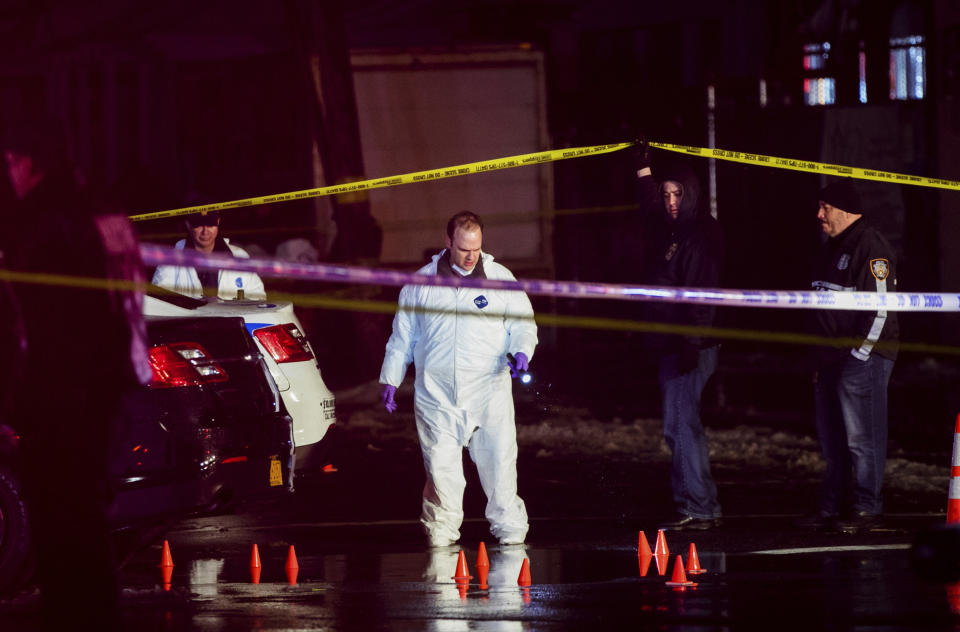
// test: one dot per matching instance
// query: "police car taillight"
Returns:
(285, 343)
(183, 364)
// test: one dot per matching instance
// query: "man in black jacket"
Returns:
(851, 380)
(683, 248)
(82, 349)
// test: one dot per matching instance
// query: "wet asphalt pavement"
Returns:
(363, 563)
(586, 572)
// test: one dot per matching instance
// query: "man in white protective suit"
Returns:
(458, 339)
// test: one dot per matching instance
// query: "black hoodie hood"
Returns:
(684, 175)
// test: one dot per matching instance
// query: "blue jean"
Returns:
(694, 492)
(851, 413)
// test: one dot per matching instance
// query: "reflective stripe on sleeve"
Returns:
(863, 353)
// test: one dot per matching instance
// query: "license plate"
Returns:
(276, 472)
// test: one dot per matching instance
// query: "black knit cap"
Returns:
(842, 195)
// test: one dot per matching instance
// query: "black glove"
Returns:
(688, 359)
(641, 153)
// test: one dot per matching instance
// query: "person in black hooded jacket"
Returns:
(683, 248)
(82, 348)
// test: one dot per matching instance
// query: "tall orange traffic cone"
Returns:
(524, 579)
(462, 574)
(255, 566)
(292, 566)
(643, 548)
(166, 566)
(661, 546)
(679, 577)
(693, 561)
(953, 495)
(483, 566)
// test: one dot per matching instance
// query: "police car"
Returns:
(274, 326)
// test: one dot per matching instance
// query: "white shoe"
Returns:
(438, 542)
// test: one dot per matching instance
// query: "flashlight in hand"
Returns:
(523, 375)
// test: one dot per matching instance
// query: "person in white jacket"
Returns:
(203, 232)
(458, 339)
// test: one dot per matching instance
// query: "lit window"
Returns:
(907, 67)
(815, 56)
(817, 89)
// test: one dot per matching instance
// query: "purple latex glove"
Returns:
(387, 397)
(521, 364)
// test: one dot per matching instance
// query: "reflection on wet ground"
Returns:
(870, 587)
(761, 572)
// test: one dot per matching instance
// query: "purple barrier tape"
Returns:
(154, 255)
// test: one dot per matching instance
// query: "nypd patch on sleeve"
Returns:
(880, 268)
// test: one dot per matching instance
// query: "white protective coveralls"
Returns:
(458, 339)
(185, 280)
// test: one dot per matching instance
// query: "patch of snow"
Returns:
(572, 431)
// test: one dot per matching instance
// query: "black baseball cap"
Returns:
(210, 218)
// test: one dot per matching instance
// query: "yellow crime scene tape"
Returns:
(554, 155)
(821, 168)
(484, 166)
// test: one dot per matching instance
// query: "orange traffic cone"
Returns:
(661, 546)
(166, 577)
(482, 559)
(524, 579)
(644, 561)
(165, 558)
(292, 567)
(643, 548)
(693, 561)
(166, 566)
(483, 566)
(255, 566)
(679, 577)
(953, 493)
(462, 574)
(662, 562)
